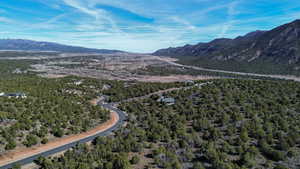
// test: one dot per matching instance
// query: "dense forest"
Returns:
(52, 108)
(7, 67)
(230, 124)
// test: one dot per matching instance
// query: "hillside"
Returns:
(29, 45)
(274, 51)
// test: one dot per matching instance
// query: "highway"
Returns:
(283, 77)
(122, 116)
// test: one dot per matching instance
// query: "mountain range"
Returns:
(30, 45)
(273, 51)
(276, 51)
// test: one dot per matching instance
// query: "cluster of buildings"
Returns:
(19, 71)
(13, 95)
(171, 101)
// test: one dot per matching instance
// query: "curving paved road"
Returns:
(122, 116)
(110, 106)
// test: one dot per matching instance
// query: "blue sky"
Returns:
(140, 25)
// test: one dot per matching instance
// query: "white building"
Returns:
(77, 83)
(16, 95)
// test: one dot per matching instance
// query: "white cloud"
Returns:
(5, 20)
(187, 24)
(51, 23)
(85, 23)
(231, 11)
(99, 29)
(101, 16)
(96, 27)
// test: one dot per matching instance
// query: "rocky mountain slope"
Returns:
(277, 46)
(29, 45)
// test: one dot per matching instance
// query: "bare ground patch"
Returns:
(173, 78)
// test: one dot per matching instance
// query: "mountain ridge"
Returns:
(279, 45)
(31, 45)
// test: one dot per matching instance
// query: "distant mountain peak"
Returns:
(255, 33)
(296, 21)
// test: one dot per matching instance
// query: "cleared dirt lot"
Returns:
(112, 67)
(173, 78)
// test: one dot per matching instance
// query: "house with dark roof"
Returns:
(189, 82)
(166, 100)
